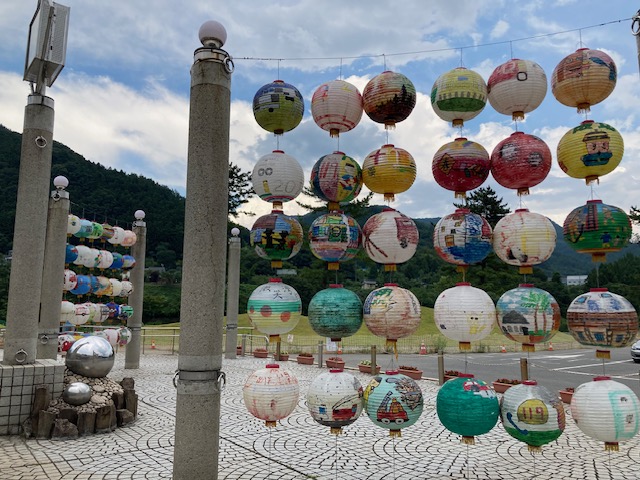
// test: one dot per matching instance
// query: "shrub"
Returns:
(305, 354)
(509, 381)
(336, 359)
(408, 367)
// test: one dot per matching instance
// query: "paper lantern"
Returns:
(597, 229)
(103, 313)
(73, 224)
(277, 237)
(65, 341)
(271, 394)
(584, 78)
(124, 336)
(335, 399)
(464, 313)
(278, 107)
(83, 285)
(603, 319)
(335, 312)
(93, 312)
(467, 406)
(336, 178)
(590, 150)
(130, 238)
(70, 254)
(105, 259)
(114, 310)
(389, 170)
(528, 315)
(128, 262)
(520, 161)
(92, 258)
(107, 231)
(606, 410)
(462, 238)
(126, 312)
(524, 239)
(336, 107)
(117, 237)
(84, 255)
(70, 280)
(112, 335)
(118, 261)
(116, 287)
(86, 227)
(393, 401)
(335, 237)
(81, 315)
(460, 166)
(532, 414)
(389, 98)
(96, 231)
(274, 308)
(67, 312)
(458, 95)
(390, 238)
(391, 312)
(126, 288)
(104, 286)
(517, 87)
(277, 178)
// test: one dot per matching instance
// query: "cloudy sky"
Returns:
(122, 98)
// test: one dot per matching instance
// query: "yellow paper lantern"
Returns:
(517, 87)
(336, 107)
(389, 170)
(459, 95)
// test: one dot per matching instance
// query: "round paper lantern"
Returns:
(391, 312)
(277, 178)
(335, 237)
(336, 178)
(460, 166)
(584, 78)
(124, 336)
(90, 356)
(278, 107)
(597, 229)
(523, 239)
(70, 280)
(86, 227)
(96, 231)
(81, 314)
(517, 87)
(467, 406)
(271, 394)
(335, 312)
(462, 238)
(606, 410)
(393, 401)
(277, 237)
(116, 287)
(84, 255)
(112, 335)
(126, 288)
(128, 262)
(71, 254)
(464, 313)
(335, 399)
(105, 259)
(532, 414)
(389, 170)
(93, 312)
(103, 313)
(603, 319)
(90, 259)
(65, 341)
(117, 237)
(107, 231)
(67, 312)
(520, 161)
(126, 312)
(73, 224)
(590, 150)
(118, 261)
(129, 238)
(83, 285)
(389, 98)
(336, 107)
(528, 315)
(114, 310)
(458, 95)
(390, 238)
(105, 287)
(274, 308)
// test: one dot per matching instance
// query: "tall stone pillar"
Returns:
(138, 251)
(233, 293)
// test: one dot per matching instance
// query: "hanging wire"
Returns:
(468, 473)
(393, 456)
(580, 34)
(340, 76)
(269, 455)
(461, 62)
(384, 59)
(336, 457)
(511, 48)
(278, 68)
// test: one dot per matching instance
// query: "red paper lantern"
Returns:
(460, 166)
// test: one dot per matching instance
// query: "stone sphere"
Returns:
(77, 393)
(91, 357)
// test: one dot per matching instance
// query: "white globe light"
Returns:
(60, 182)
(235, 231)
(139, 214)
(212, 34)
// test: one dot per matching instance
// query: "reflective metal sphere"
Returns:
(91, 357)
(77, 393)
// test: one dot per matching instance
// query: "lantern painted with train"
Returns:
(461, 166)
(336, 178)
(597, 229)
(335, 237)
(271, 394)
(584, 78)
(393, 401)
(390, 238)
(389, 98)
(462, 238)
(520, 161)
(458, 95)
(278, 107)
(464, 313)
(336, 107)
(524, 239)
(467, 406)
(389, 170)
(590, 150)
(277, 178)
(606, 410)
(335, 399)
(277, 237)
(391, 312)
(335, 312)
(517, 87)
(274, 308)
(532, 414)
(528, 315)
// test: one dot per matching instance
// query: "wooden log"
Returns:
(86, 423)
(45, 424)
(41, 399)
(124, 417)
(128, 383)
(103, 419)
(131, 402)
(63, 429)
(118, 400)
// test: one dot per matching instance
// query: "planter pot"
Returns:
(415, 374)
(367, 368)
(334, 364)
(260, 354)
(283, 358)
(238, 350)
(566, 396)
(501, 387)
(305, 360)
(449, 377)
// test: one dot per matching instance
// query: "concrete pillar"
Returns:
(138, 251)
(233, 293)
(199, 376)
(25, 281)
(53, 272)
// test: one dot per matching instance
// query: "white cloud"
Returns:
(499, 30)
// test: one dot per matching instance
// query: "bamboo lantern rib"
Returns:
(336, 107)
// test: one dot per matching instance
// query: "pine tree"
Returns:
(484, 201)
(240, 189)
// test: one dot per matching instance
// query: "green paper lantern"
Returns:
(335, 312)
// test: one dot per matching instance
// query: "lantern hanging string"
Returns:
(603, 367)
(468, 473)
(393, 456)
(336, 458)
(461, 62)
(534, 464)
(269, 455)
(511, 48)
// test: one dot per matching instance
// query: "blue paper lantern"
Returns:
(71, 254)
(83, 285)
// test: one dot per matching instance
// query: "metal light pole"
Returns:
(199, 377)
(138, 251)
(233, 293)
(635, 29)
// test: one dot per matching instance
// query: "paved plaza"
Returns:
(298, 447)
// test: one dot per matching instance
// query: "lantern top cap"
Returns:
(392, 372)
(599, 289)
(461, 139)
(275, 280)
(601, 378)
(593, 201)
(60, 182)
(335, 285)
(526, 285)
(465, 375)
(276, 211)
(338, 152)
(235, 231)
(390, 284)
(139, 214)
(278, 151)
(517, 133)
(212, 34)
(388, 209)
(388, 145)
(521, 210)
(530, 382)
(462, 210)
(463, 284)
(272, 365)
(586, 121)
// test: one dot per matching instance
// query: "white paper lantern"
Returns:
(390, 238)
(335, 399)
(126, 288)
(70, 280)
(130, 238)
(93, 312)
(271, 394)
(336, 107)
(118, 236)
(116, 287)
(277, 178)
(517, 87)
(91, 259)
(67, 312)
(103, 313)
(391, 312)
(81, 314)
(106, 259)
(73, 224)
(84, 255)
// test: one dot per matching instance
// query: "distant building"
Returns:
(368, 284)
(286, 271)
(573, 280)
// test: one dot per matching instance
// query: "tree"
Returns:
(240, 189)
(484, 201)
(355, 208)
(634, 216)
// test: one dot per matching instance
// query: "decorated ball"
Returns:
(278, 107)
(389, 170)
(336, 178)
(277, 237)
(274, 308)
(335, 312)
(277, 177)
(460, 166)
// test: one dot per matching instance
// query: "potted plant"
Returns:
(501, 385)
(284, 357)
(305, 358)
(239, 350)
(260, 352)
(449, 374)
(566, 394)
(365, 367)
(335, 362)
(411, 372)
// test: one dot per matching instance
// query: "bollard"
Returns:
(374, 362)
(278, 350)
(524, 369)
(440, 367)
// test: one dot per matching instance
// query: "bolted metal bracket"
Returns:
(204, 376)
